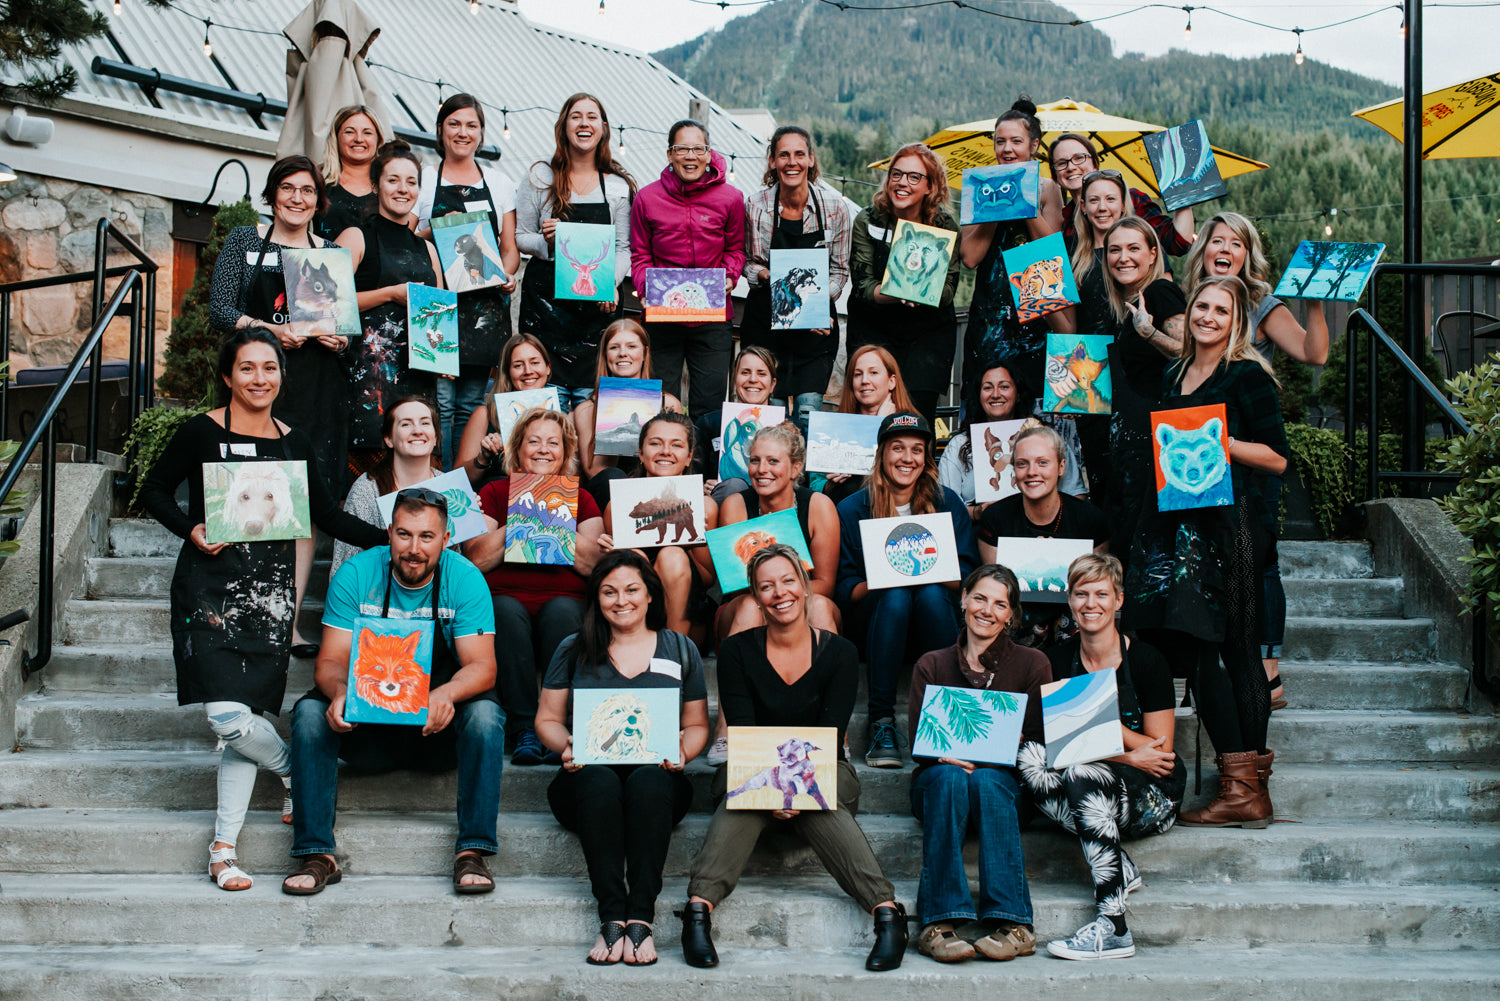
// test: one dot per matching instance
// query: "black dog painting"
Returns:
(799, 290)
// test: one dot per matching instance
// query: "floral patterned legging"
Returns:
(1103, 802)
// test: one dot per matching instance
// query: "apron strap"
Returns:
(437, 624)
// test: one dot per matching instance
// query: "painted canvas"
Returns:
(255, 501)
(970, 724)
(649, 511)
(390, 670)
(1041, 278)
(465, 519)
(799, 289)
(626, 726)
(510, 406)
(466, 249)
(1186, 171)
(1081, 719)
(320, 298)
(738, 423)
(994, 441)
(1077, 379)
(1000, 192)
(624, 407)
(909, 549)
(685, 295)
(1192, 458)
(541, 521)
(1329, 270)
(918, 264)
(783, 768)
(732, 546)
(432, 329)
(1041, 565)
(841, 443)
(584, 253)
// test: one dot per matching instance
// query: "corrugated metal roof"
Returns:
(499, 56)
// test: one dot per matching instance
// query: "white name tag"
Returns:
(883, 235)
(247, 449)
(718, 444)
(476, 206)
(671, 669)
(273, 259)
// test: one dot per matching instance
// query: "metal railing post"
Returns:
(48, 505)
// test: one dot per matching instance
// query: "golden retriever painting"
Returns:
(255, 501)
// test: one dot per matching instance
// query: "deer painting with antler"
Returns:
(583, 285)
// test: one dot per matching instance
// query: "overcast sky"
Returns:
(1459, 44)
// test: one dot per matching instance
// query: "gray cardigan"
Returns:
(532, 206)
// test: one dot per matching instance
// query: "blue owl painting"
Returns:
(1004, 191)
(1192, 458)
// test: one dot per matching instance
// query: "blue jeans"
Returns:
(457, 399)
(903, 619)
(570, 397)
(950, 803)
(799, 406)
(474, 743)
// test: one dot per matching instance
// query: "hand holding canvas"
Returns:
(333, 342)
(569, 765)
(967, 766)
(199, 536)
(335, 713)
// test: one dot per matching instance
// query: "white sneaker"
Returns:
(718, 754)
(1096, 940)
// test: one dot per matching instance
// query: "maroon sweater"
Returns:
(1017, 669)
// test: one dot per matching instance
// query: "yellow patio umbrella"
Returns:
(1118, 140)
(1456, 121)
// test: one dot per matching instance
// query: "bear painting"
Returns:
(1192, 458)
(918, 264)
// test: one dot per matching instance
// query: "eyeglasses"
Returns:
(1108, 175)
(688, 150)
(306, 190)
(1076, 160)
(423, 495)
(914, 176)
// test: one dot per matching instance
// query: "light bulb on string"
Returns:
(622, 140)
(601, 8)
(117, 8)
(505, 123)
(474, 7)
(208, 47)
(1328, 226)
(1187, 33)
(731, 168)
(1298, 58)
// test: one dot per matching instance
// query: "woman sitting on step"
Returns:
(788, 674)
(623, 814)
(1133, 795)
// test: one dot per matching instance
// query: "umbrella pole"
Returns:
(1411, 237)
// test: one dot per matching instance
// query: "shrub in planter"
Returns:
(1474, 505)
(149, 437)
(1322, 461)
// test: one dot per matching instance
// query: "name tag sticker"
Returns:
(243, 449)
(273, 259)
(876, 232)
(476, 206)
(670, 668)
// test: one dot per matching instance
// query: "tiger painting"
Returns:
(1041, 289)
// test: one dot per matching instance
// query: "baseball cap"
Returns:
(904, 422)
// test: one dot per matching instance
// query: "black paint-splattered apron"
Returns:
(995, 333)
(232, 613)
(483, 314)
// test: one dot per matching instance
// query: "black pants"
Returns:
(623, 815)
(523, 645)
(708, 350)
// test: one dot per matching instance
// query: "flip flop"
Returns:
(611, 932)
(638, 932)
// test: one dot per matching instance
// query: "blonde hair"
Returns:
(790, 438)
(1239, 348)
(332, 162)
(1158, 266)
(1047, 434)
(601, 366)
(926, 494)
(1256, 272)
(780, 551)
(765, 354)
(1083, 253)
(1092, 567)
(523, 424)
(847, 402)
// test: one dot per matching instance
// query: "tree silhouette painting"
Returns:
(1330, 265)
(1352, 259)
(975, 724)
(1310, 258)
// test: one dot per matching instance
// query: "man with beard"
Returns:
(413, 579)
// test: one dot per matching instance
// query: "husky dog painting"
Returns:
(320, 299)
(776, 768)
(918, 265)
(799, 290)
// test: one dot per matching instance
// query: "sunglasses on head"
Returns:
(424, 495)
(1109, 175)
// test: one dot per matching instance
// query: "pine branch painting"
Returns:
(432, 329)
(969, 724)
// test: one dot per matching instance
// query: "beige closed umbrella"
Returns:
(326, 71)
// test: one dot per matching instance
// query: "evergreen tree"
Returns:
(32, 36)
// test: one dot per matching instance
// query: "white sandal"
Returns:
(286, 804)
(230, 871)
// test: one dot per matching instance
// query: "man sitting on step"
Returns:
(381, 600)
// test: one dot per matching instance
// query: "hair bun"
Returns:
(394, 146)
(1024, 103)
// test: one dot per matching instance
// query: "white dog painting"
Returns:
(255, 501)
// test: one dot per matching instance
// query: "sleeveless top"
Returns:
(803, 497)
(1259, 341)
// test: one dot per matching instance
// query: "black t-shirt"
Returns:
(1143, 364)
(1079, 520)
(1144, 679)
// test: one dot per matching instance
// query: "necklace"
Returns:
(989, 676)
(1056, 522)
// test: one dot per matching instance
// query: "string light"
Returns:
(474, 7)
(622, 140)
(117, 9)
(731, 168)
(208, 47)
(1328, 226)
(505, 123)
(1298, 57)
(1187, 33)
(601, 8)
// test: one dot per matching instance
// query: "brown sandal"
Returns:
(469, 864)
(323, 870)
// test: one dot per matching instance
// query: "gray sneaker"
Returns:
(1130, 874)
(718, 753)
(885, 744)
(1096, 940)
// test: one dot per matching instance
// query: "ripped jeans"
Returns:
(250, 743)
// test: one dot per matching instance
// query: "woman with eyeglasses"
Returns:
(460, 184)
(387, 255)
(409, 433)
(525, 363)
(231, 603)
(690, 218)
(1231, 246)
(793, 212)
(921, 339)
(995, 333)
(248, 291)
(582, 183)
(353, 141)
(1073, 157)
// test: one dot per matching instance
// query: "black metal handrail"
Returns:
(138, 286)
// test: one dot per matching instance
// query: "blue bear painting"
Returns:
(1192, 462)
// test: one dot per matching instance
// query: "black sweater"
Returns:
(751, 693)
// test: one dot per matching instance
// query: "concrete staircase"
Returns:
(1378, 879)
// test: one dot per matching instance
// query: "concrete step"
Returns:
(154, 720)
(1326, 559)
(545, 973)
(72, 841)
(1353, 598)
(1371, 639)
(130, 537)
(146, 621)
(809, 912)
(110, 577)
(185, 780)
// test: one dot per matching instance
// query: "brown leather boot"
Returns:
(1263, 769)
(1242, 800)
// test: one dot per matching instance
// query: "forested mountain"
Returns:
(865, 81)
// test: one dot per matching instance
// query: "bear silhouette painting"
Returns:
(1192, 459)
